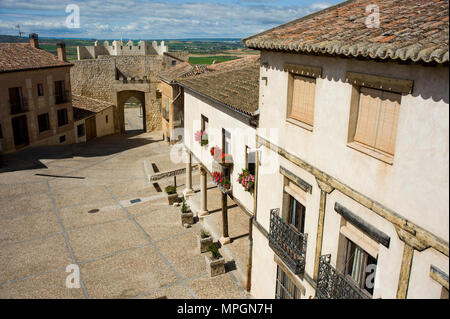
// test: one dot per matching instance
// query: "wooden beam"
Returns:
(405, 272)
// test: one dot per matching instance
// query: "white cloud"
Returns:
(138, 19)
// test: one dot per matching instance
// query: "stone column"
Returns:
(203, 193)
(225, 239)
(188, 191)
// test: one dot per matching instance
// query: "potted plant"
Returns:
(201, 137)
(215, 263)
(205, 240)
(221, 180)
(220, 157)
(187, 217)
(247, 180)
(172, 196)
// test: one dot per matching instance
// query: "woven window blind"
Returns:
(377, 119)
(303, 91)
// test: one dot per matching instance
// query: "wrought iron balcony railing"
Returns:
(20, 106)
(333, 285)
(63, 97)
(287, 243)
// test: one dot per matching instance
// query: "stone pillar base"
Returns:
(203, 213)
(224, 240)
(188, 192)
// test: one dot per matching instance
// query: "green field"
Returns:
(210, 59)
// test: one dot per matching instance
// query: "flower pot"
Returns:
(187, 218)
(172, 198)
(204, 243)
(214, 266)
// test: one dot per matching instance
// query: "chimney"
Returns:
(61, 49)
(34, 42)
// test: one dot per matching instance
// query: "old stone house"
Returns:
(35, 90)
(92, 118)
(353, 120)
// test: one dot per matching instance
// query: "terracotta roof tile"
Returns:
(409, 30)
(235, 85)
(22, 56)
(84, 107)
(181, 70)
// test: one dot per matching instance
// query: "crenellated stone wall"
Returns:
(109, 78)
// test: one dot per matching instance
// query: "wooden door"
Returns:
(20, 131)
(91, 128)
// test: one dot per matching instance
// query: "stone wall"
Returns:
(103, 78)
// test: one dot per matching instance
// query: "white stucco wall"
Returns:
(241, 135)
(415, 186)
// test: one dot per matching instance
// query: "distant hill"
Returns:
(12, 39)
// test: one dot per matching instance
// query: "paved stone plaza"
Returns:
(124, 250)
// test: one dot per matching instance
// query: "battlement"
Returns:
(118, 48)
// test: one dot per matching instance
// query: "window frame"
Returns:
(48, 123)
(306, 71)
(282, 281)
(385, 84)
(66, 117)
(40, 89)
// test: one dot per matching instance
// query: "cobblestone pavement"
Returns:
(91, 205)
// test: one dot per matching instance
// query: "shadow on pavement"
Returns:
(31, 158)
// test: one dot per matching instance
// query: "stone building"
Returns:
(92, 118)
(354, 121)
(117, 78)
(35, 86)
(118, 48)
(172, 99)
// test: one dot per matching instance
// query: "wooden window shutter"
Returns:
(366, 126)
(387, 123)
(303, 93)
(377, 119)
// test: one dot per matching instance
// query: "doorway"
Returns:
(20, 131)
(91, 128)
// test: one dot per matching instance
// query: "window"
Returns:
(204, 123)
(358, 266)
(16, 100)
(376, 126)
(43, 122)
(80, 130)
(226, 141)
(106, 118)
(174, 62)
(62, 138)
(301, 100)
(62, 117)
(285, 287)
(1, 132)
(40, 89)
(60, 94)
(296, 214)
(250, 161)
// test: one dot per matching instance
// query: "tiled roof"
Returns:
(236, 85)
(22, 56)
(182, 56)
(181, 70)
(84, 107)
(409, 31)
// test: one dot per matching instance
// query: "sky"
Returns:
(147, 19)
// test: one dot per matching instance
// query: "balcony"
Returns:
(333, 285)
(287, 243)
(18, 107)
(63, 97)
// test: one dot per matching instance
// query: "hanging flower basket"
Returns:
(221, 179)
(201, 137)
(220, 157)
(247, 180)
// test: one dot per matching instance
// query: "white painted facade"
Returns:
(415, 186)
(242, 135)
